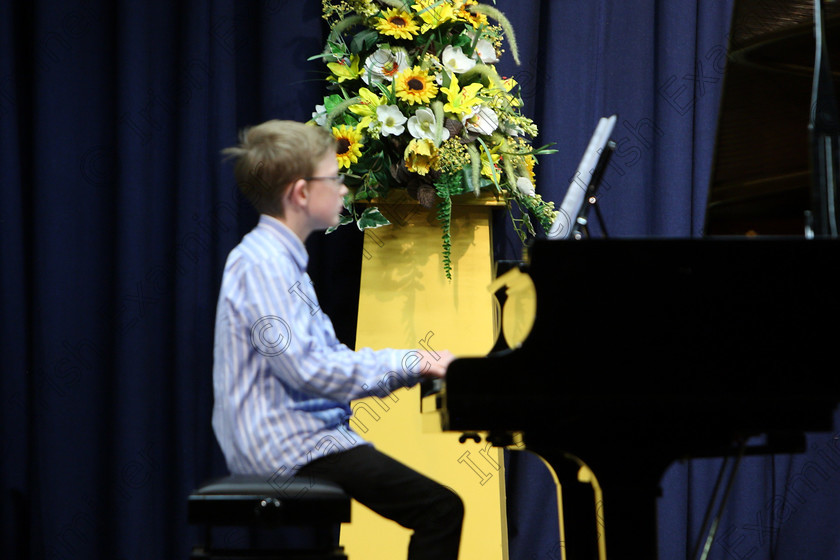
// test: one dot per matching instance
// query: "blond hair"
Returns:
(273, 155)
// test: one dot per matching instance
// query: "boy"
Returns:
(282, 381)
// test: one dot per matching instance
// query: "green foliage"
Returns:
(372, 218)
(363, 40)
(444, 216)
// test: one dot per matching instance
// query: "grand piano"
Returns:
(648, 351)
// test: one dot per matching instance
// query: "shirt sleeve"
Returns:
(296, 341)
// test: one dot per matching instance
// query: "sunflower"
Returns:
(398, 24)
(414, 85)
(530, 162)
(476, 19)
(349, 145)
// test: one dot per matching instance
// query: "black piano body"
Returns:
(645, 352)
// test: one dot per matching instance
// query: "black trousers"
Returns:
(391, 489)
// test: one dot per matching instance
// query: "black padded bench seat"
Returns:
(266, 502)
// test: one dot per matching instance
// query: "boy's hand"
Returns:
(434, 364)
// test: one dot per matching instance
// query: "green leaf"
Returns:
(381, 176)
(468, 177)
(372, 218)
(332, 101)
(364, 40)
(388, 91)
(344, 219)
(447, 80)
(492, 167)
(470, 45)
(462, 41)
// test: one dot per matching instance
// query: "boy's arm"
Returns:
(296, 340)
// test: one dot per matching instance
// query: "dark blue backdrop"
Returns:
(117, 213)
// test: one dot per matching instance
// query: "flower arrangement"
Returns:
(415, 103)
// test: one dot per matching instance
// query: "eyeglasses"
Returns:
(338, 179)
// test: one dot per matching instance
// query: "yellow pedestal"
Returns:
(407, 302)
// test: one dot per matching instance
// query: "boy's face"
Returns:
(326, 192)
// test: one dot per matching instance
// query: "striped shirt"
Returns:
(282, 381)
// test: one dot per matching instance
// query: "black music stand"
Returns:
(579, 229)
(572, 218)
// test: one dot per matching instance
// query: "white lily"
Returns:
(454, 60)
(320, 115)
(423, 125)
(486, 52)
(525, 186)
(392, 120)
(383, 65)
(482, 120)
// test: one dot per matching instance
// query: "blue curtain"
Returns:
(116, 214)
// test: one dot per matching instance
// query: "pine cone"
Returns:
(454, 127)
(426, 196)
(400, 173)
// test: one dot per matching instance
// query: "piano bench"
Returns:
(269, 504)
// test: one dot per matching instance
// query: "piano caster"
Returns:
(475, 436)
(503, 439)
(496, 439)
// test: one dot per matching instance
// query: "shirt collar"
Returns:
(287, 238)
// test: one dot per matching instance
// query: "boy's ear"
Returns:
(296, 193)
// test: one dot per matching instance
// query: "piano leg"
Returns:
(579, 511)
(609, 515)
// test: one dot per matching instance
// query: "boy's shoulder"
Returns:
(257, 249)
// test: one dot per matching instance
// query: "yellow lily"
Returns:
(343, 71)
(366, 109)
(433, 13)
(490, 169)
(460, 100)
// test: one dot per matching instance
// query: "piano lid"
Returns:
(761, 174)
